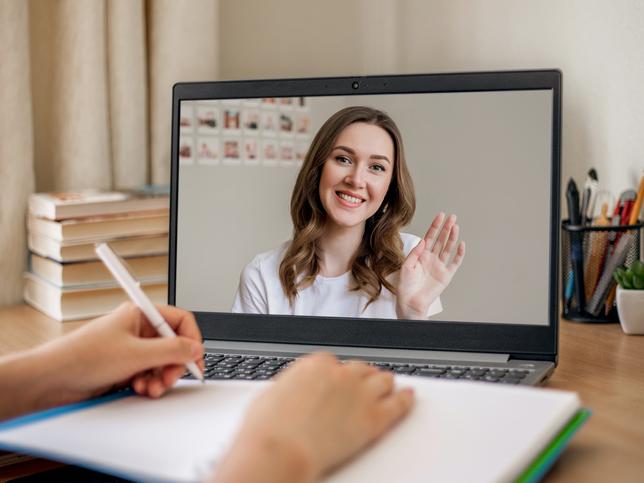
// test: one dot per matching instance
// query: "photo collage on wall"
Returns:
(250, 132)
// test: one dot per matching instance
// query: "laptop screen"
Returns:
(484, 156)
(248, 180)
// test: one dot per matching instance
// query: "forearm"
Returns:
(24, 384)
(266, 459)
(31, 380)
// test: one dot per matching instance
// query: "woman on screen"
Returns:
(348, 256)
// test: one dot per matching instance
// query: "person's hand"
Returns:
(122, 348)
(318, 414)
(428, 270)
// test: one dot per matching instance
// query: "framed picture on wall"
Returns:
(286, 124)
(232, 151)
(208, 150)
(232, 120)
(251, 121)
(287, 153)
(269, 152)
(187, 120)
(251, 152)
(207, 119)
(269, 124)
(186, 150)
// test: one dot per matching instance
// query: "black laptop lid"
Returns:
(485, 146)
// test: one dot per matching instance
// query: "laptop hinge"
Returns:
(345, 351)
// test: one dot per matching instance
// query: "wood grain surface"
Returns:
(598, 361)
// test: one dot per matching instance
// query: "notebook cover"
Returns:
(540, 466)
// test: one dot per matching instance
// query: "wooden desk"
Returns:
(600, 362)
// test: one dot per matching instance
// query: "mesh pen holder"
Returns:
(594, 251)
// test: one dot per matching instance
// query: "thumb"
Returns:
(165, 351)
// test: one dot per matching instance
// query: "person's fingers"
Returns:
(309, 364)
(164, 351)
(458, 257)
(451, 241)
(140, 385)
(156, 387)
(128, 314)
(392, 409)
(444, 234)
(432, 232)
(359, 368)
(380, 384)
(181, 321)
(141, 382)
(320, 358)
(170, 374)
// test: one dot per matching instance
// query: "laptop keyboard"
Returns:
(237, 366)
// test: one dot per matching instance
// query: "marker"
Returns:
(637, 207)
(133, 288)
(590, 193)
(576, 250)
(568, 291)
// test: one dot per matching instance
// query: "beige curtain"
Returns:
(85, 96)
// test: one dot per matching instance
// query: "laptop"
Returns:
(482, 145)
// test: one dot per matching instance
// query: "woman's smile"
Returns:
(349, 199)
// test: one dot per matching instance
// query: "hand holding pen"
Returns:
(133, 289)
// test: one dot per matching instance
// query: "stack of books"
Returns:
(66, 280)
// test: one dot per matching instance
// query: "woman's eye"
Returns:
(378, 167)
(342, 159)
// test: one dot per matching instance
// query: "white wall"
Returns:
(599, 46)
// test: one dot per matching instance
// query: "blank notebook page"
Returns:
(457, 431)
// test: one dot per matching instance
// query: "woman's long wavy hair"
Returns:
(380, 253)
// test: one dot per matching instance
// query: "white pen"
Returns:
(133, 288)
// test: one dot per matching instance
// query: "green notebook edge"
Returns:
(538, 468)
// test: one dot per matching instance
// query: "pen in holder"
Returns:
(589, 256)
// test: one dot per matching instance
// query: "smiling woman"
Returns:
(348, 257)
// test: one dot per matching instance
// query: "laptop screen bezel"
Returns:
(518, 340)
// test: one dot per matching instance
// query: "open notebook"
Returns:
(500, 433)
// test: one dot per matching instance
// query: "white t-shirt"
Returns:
(260, 291)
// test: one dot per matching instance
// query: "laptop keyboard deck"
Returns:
(251, 367)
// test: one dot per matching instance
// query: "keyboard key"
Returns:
(448, 376)
(248, 365)
(429, 372)
(403, 370)
(221, 376)
(247, 377)
(221, 371)
(518, 373)
(470, 377)
(477, 372)
(489, 378)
